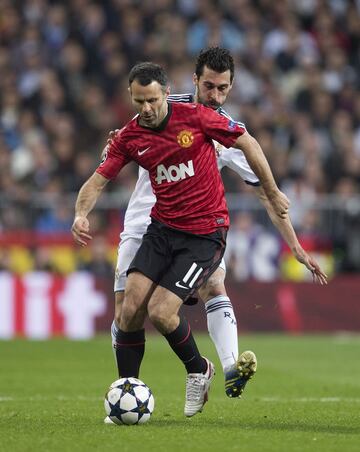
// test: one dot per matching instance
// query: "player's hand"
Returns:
(80, 231)
(112, 134)
(318, 275)
(280, 203)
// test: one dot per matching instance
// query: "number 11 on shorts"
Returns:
(190, 273)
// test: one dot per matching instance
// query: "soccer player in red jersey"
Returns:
(213, 78)
(185, 242)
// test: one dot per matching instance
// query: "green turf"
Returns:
(305, 397)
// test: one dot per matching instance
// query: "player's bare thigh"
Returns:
(163, 310)
(138, 291)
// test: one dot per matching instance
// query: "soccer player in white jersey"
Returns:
(213, 81)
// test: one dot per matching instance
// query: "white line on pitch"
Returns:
(309, 399)
(62, 397)
(40, 398)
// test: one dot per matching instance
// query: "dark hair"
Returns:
(216, 59)
(147, 72)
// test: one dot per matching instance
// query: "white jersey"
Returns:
(137, 215)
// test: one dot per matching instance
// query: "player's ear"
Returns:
(167, 91)
(195, 79)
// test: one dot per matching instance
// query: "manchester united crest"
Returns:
(185, 138)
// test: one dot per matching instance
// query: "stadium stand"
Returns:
(63, 86)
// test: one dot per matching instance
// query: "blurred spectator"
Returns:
(98, 261)
(347, 237)
(251, 251)
(212, 28)
(58, 219)
(63, 86)
(301, 195)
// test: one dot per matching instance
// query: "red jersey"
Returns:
(180, 158)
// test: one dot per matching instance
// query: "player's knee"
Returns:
(156, 315)
(127, 316)
(133, 296)
(159, 317)
(213, 287)
(128, 311)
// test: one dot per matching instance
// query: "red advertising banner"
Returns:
(40, 305)
(291, 307)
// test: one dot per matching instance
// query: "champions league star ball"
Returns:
(129, 401)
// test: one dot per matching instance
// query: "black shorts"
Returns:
(179, 261)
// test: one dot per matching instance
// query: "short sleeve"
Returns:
(115, 157)
(218, 127)
(236, 160)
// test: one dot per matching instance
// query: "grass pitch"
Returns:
(305, 397)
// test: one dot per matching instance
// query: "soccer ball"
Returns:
(129, 401)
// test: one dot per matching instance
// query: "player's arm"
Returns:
(258, 163)
(285, 227)
(235, 160)
(85, 202)
(114, 158)
(225, 131)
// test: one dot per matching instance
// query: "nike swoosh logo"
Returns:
(143, 151)
(177, 284)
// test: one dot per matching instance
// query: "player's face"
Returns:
(149, 102)
(212, 88)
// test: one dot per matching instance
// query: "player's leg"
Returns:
(221, 320)
(222, 328)
(130, 346)
(126, 252)
(127, 249)
(130, 337)
(145, 270)
(119, 298)
(193, 259)
(163, 311)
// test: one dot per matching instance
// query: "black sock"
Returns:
(183, 343)
(130, 348)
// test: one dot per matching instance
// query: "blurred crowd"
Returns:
(63, 87)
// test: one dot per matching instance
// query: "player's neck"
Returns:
(164, 112)
(164, 117)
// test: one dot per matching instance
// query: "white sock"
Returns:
(222, 328)
(114, 330)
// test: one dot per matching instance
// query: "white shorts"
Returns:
(127, 249)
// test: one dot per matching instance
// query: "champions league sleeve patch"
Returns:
(232, 125)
